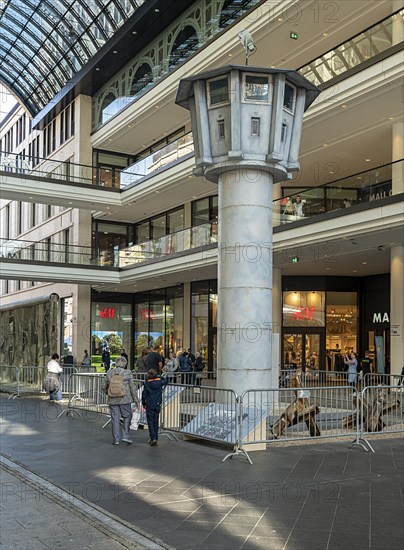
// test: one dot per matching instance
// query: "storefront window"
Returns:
(174, 319)
(159, 320)
(111, 327)
(142, 315)
(303, 308)
(204, 321)
(342, 322)
(67, 305)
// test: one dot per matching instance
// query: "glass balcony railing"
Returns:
(186, 239)
(112, 178)
(68, 172)
(45, 251)
(157, 160)
(361, 188)
(359, 49)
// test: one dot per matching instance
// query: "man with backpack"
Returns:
(121, 390)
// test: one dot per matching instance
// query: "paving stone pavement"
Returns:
(323, 496)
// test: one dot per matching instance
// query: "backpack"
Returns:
(116, 386)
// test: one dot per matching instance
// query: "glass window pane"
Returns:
(142, 313)
(175, 220)
(142, 232)
(218, 91)
(256, 88)
(158, 227)
(288, 99)
(112, 327)
(342, 323)
(303, 309)
(200, 211)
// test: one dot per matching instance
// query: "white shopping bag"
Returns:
(135, 419)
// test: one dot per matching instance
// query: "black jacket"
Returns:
(152, 395)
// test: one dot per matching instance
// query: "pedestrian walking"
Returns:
(121, 390)
(152, 398)
(52, 382)
(106, 359)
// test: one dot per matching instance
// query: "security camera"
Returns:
(248, 43)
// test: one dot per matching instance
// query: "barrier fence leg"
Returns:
(16, 393)
(69, 411)
(238, 449)
(360, 440)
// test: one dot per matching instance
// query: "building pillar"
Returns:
(186, 340)
(397, 310)
(276, 323)
(81, 321)
(245, 280)
(397, 154)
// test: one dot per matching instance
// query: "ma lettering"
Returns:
(377, 318)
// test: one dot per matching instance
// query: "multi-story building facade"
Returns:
(125, 151)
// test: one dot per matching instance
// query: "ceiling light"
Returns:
(280, 18)
(97, 69)
(343, 106)
(114, 51)
(156, 10)
(367, 160)
(328, 268)
(134, 32)
(364, 263)
(325, 144)
(325, 33)
(391, 118)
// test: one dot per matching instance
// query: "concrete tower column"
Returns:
(247, 124)
(276, 324)
(245, 280)
(397, 310)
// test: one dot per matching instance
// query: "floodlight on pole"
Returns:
(248, 43)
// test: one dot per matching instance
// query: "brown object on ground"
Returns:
(379, 404)
(299, 410)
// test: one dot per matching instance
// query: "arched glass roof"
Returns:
(44, 43)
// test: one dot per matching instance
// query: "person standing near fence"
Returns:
(186, 368)
(86, 361)
(155, 360)
(121, 390)
(106, 359)
(352, 365)
(152, 398)
(52, 382)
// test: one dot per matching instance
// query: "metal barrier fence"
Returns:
(313, 377)
(86, 393)
(376, 379)
(200, 412)
(295, 413)
(29, 379)
(381, 410)
(248, 422)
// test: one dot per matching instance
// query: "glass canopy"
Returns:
(44, 43)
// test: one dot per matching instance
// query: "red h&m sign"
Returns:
(304, 313)
(147, 314)
(107, 313)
